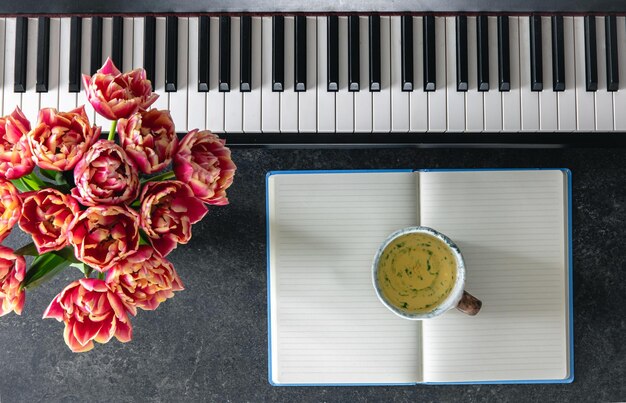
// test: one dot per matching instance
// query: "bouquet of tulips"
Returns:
(112, 208)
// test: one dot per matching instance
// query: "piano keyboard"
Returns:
(336, 74)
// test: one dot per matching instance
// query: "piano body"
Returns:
(324, 73)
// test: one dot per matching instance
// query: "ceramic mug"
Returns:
(409, 264)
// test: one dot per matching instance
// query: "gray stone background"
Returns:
(209, 343)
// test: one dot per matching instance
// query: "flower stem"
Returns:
(112, 130)
(162, 177)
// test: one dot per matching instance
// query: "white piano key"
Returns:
(363, 98)
(30, 99)
(511, 107)
(50, 99)
(473, 98)
(178, 99)
(289, 97)
(567, 98)
(107, 39)
(252, 100)
(325, 99)
(307, 100)
(344, 99)
(493, 97)
(196, 101)
(11, 98)
(381, 100)
(418, 98)
(270, 101)
(85, 62)
(585, 101)
(455, 99)
(159, 65)
(67, 99)
(619, 97)
(437, 103)
(129, 41)
(214, 98)
(233, 100)
(547, 97)
(399, 98)
(604, 99)
(138, 27)
(529, 99)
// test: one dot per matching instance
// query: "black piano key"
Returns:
(429, 54)
(21, 49)
(300, 53)
(353, 54)
(224, 53)
(558, 55)
(612, 72)
(43, 54)
(374, 51)
(76, 27)
(96, 44)
(245, 46)
(149, 47)
(536, 59)
(461, 53)
(332, 58)
(591, 60)
(278, 53)
(117, 42)
(504, 71)
(482, 48)
(171, 53)
(406, 38)
(203, 54)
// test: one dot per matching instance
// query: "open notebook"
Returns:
(326, 325)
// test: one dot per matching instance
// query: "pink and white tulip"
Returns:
(104, 235)
(203, 161)
(143, 280)
(105, 175)
(116, 95)
(168, 209)
(46, 216)
(60, 139)
(15, 155)
(12, 274)
(149, 139)
(91, 312)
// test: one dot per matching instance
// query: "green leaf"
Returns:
(48, 173)
(27, 250)
(44, 268)
(30, 182)
(84, 268)
(19, 183)
(67, 253)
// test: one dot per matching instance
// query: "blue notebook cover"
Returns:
(568, 220)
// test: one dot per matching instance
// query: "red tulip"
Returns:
(15, 156)
(60, 139)
(116, 95)
(168, 209)
(143, 280)
(90, 312)
(104, 235)
(12, 273)
(10, 208)
(203, 162)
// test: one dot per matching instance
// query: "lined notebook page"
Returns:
(510, 227)
(327, 325)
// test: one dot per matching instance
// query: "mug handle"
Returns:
(469, 304)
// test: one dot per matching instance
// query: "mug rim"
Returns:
(456, 293)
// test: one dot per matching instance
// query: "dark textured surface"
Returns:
(209, 343)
